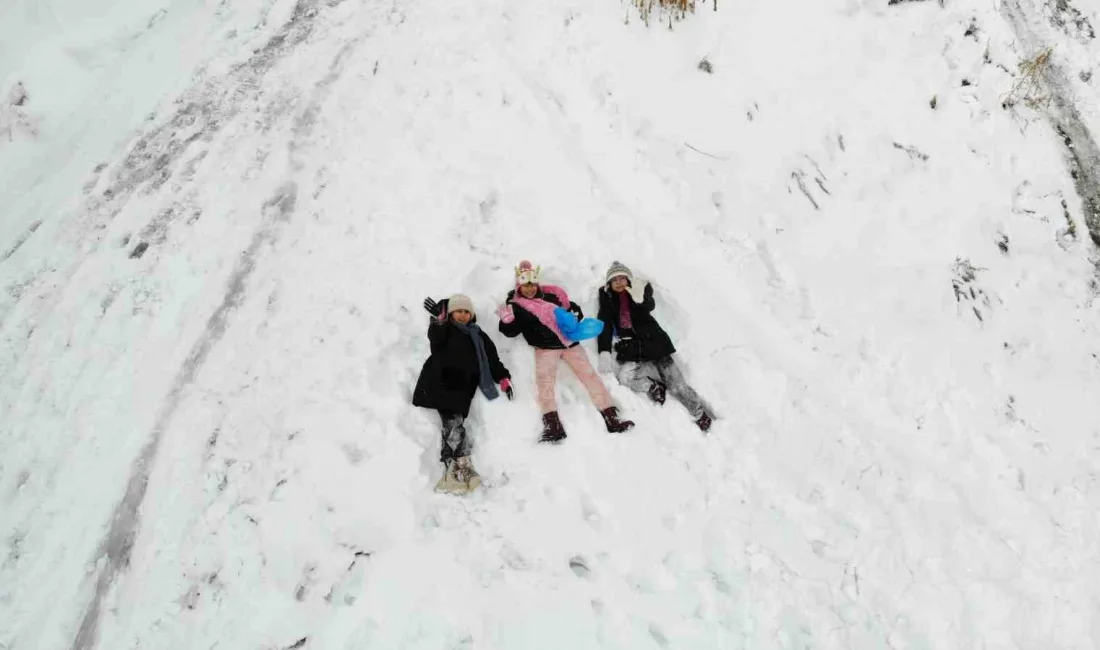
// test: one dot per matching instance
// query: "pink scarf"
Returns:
(624, 311)
(544, 310)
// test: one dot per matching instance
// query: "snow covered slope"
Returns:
(208, 344)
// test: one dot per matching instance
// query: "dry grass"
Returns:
(672, 9)
(1028, 87)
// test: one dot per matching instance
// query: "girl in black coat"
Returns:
(463, 358)
(643, 350)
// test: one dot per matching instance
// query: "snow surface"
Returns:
(208, 346)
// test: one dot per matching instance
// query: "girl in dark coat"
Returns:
(463, 359)
(529, 310)
(643, 350)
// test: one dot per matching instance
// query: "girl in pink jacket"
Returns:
(529, 310)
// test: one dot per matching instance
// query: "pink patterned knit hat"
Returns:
(527, 273)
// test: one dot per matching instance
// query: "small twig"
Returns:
(798, 177)
(710, 155)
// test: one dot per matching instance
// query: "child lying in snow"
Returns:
(529, 310)
(463, 359)
(644, 349)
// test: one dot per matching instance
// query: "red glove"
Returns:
(506, 386)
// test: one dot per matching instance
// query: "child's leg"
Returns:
(453, 430)
(679, 388)
(580, 365)
(638, 377)
(546, 379)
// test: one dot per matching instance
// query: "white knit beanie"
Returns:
(616, 270)
(460, 301)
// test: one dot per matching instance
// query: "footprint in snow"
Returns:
(514, 559)
(345, 591)
(658, 635)
(720, 584)
(591, 511)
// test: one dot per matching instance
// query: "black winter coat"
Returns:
(646, 341)
(449, 377)
(534, 332)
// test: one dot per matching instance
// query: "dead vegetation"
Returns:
(963, 281)
(670, 10)
(1029, 86)
(1070, 20)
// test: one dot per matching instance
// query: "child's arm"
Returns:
(607, 315)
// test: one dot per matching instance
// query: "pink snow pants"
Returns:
(546, 377)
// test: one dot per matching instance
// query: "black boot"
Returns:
(656, 391)
(704, 422)
(614, 424)
(552, 430)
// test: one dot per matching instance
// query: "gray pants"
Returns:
(455, 443)
(639, 376)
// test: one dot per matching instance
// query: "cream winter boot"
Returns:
(450, 481)
(467, 473)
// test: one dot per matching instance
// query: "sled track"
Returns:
(124, 523)
(149, 165)
(1081, 151)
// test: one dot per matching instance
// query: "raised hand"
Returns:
(435, 309)
(637, 291)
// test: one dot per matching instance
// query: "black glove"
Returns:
(576, 311)
(431, 306)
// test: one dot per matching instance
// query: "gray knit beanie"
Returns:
(460, 301)
(618, 269)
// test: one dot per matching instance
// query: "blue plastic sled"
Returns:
(588, 328)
